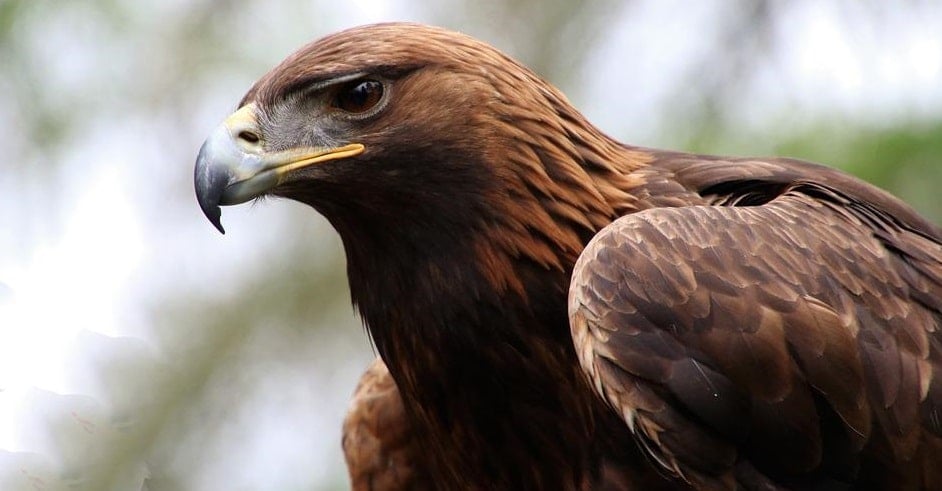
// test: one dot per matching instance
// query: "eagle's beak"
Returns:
(233, 166)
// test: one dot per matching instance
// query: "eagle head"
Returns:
(378, 120)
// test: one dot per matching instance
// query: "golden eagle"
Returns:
(558, 310)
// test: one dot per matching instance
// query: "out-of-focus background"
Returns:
(139, 349)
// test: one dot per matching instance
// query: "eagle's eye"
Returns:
(358, 96)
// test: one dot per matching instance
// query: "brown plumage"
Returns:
(378, 440)
(745, 323)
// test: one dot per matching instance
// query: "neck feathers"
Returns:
(562, 181)
(471, 318)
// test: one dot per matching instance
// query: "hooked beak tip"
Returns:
(210, 181)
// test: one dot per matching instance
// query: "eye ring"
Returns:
(359, 97)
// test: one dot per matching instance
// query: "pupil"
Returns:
(360, 96)
(360, 93)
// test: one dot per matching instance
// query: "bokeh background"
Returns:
(139, 349)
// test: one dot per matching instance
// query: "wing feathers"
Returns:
(378, 444)
(774, 338)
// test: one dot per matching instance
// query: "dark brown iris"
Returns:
(359, 96)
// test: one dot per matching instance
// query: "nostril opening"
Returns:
(249, 136)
